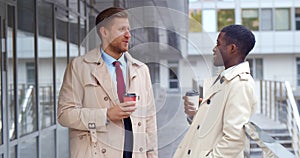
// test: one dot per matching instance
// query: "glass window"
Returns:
(10, 73)
(83, 34)
(73, 5)
(256, 68)
(209, 21)
(173, 78)
(26, 67)
(297, 18)
(61, 48)
(82, 8)
(282, 19)
(266, 20)
(225, 17)
(74, 35)
(195, 20)
(298, 71)
(250, 19)
(28, 148)
(48, 145)
(2, 50)
(30, 73)
(45, 51)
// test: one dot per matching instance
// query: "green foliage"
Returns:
(195, 21)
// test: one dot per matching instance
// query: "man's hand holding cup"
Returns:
(129, 103)
(123, 110)
(191, 103)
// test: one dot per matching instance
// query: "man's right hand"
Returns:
(121, 111)
(189, 108)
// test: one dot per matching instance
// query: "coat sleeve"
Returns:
(237, 112)
(151, 125)
(71, 113)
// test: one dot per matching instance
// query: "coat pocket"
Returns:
(80, 146)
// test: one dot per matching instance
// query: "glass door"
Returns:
(2, 78)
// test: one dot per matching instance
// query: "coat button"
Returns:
(141, 149)
(198, 126)
(103, 151)
(139, 124)
(189, 152)
(208, 101)
(106, 98)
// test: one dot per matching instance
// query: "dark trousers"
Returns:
(128, 142)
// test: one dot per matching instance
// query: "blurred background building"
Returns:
(38, 39)
(173, 37)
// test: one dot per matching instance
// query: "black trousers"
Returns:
(128, 142)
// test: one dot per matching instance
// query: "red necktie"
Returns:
(128, 142)
(120, 81)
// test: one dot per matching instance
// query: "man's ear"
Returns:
(103, 31)
(234, 48)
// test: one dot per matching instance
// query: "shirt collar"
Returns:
(233, 71)
(109, 59)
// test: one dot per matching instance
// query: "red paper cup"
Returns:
(129, 97)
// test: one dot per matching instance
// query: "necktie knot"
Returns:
(116, 63)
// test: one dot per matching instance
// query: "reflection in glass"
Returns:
(209, 25)
(225, 17)
(60, 47)
(10, 74)
(298, 71)
(297, 17)
(250, 19)
(25, 52)
(13, 152)
(48, 145)
(83, 33)
(45, 65)
(2, 14)
(173, 72)
(282, 19)
(74, 36)
(266, 19)
(28, 149)
(196, 19)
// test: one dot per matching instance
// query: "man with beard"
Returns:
(91, 102)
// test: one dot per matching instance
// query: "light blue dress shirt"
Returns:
(111, 68)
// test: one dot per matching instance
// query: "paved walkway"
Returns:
(266, 123)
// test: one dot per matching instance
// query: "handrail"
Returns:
(293, 118)
(269, 146)
(277, 102)
(24, 109)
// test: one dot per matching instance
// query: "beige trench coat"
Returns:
(217, 128)
(86, 94)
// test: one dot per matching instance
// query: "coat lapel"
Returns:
(101, 74)
(103, 77)
(209, 105)
(132, 66)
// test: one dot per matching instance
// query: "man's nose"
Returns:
(214, 49)
(127, 34)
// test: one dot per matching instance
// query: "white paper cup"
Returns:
(193, 97)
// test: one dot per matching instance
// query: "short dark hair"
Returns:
(240, 36)
(105, 17)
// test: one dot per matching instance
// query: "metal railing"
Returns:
(277, 102)
(27, 117)
(270, 148)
